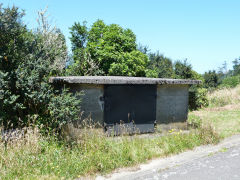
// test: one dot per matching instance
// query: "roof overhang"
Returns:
(118, 80)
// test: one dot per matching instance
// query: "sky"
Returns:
(205, 32)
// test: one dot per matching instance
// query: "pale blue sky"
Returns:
(206, 32)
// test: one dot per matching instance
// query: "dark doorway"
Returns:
(129, 103)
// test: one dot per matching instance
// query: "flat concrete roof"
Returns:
(118, 80)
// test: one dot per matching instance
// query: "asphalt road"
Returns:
(224, 165)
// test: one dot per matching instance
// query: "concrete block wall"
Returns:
(171, 97)
(172, 103)
(171, 107)
(92, 100)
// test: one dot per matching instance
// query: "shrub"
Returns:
(198, 98)
(197, 94)
(194, 121)
(27, 59)
(230, 82)
(208, 134)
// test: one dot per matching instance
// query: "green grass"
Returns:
(37, 157)
(225, 121)
(223, 112)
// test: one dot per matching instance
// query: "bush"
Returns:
(230, 82)
(27, 59)
(197, 94)
(198, 98)
(194, 121)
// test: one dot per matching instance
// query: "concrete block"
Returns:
(172, 103)
(92, 101)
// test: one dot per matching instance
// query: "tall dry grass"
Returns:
(223, 112)
(34, 156)
(225, 96)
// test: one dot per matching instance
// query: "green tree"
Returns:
(183, 70)
(231, 81)
(211, 79)
(223, 72)
(143, 48)
(197, 94)
(110, 48)
(27, 59)
(236, 66)
(162, 65)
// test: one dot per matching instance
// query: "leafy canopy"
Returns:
(211, 79)
(27, 59)
(110, 48)
(161, 65)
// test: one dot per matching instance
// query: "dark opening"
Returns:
(129, 103)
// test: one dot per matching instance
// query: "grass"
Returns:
(225, 96)
(43, 157)
(38, 157)
(223, 113)
(225, 121)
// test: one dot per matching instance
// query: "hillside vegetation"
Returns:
(223, 112)
(225, 96)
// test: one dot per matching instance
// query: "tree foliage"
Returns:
(27, 59)
(183, 70)
(211, 79)
(109, 47)
(230, 82)
(236, 67)
(197, 93)
(225, 77)
(161, 65)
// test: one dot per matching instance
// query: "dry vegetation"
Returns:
(225, 96)
(34, 156)
(223, 112)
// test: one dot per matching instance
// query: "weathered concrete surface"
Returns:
(130, 128)
(92, 101)
(210, 162)
(172, 103)
(119, 80)
(170, 126)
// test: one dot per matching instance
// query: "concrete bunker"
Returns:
(136, 102)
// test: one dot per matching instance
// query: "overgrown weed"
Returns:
(223, 112)
(225, 96)
(93, 152)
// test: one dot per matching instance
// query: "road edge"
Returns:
(160, 164)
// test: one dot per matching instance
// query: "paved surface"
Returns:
(222, 165)
(212, 162)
